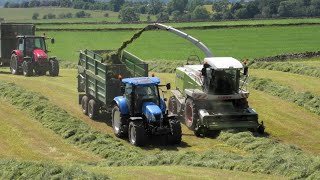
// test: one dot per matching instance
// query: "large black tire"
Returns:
(176, 133)
(93, 109)
(84, 104)
(14, 64)
(27, 68)
(213, 133)
(54, 67)
(119, 129)
(172, 105)
(190, 114)
(137, 133)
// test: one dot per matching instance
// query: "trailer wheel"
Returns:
(172, 105)
(54, 67)
(27, 68)
(190, 114)
(118, 128)
(84, 104)
(93, 109)
(14, 64)
(137, 133)
(176, 133)
(260, 129)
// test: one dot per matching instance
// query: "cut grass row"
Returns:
(26, 139)
(310, 68)
(305, 99)
(159, 45)
(265, 150)
(12, 169)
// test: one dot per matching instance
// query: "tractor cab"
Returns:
(27, 44)
(221, 75)
(140, 92)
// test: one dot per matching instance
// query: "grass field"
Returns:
(239, 42)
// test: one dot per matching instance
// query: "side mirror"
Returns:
(168, 86)
(52, 40)
(245, 70)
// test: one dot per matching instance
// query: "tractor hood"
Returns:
(39, 54)
(152, 111)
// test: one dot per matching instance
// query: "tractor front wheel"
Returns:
(14, 64)
(84, 104)
(27, 68)
(137, 133)
(117, 123)
(190, 114)
(176, 133)
(93, 109)
(54, 67)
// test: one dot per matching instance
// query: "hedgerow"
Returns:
(262, 155)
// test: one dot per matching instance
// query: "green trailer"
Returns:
(8, 40)
(101, 82)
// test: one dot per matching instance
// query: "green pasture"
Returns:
(160, 45)
(23, 15)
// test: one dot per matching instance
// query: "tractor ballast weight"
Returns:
(211, 96)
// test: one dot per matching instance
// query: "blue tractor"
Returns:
(141, 112)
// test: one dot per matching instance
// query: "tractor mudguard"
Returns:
(122, 104)
(19, 54)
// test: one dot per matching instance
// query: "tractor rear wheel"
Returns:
(93, 109)
(137, 133)
(117, 123)
(190, 114)
(54, 67)
(172, 105)
(84, 104)
(176, 133)
(27, 68)
(14, 64)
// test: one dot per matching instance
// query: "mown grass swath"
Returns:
(12, 169)
(262, 155)
(306, 99)
(300, 68)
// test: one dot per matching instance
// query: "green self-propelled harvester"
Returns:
(210, 96)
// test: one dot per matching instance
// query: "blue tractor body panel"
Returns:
(151, 111)
(142, 81)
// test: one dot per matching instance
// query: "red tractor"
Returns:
(31, 56)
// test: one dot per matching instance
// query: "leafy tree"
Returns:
(242, 13)
(82, 14)
(200, 13)
(24, 4)
(217, 16)
(35, 16)
(155, 7)
(6, 4)
(128, 14)
(220, 5)
(192, 4)
(115, 5)
(177, 5)
(163, 17)
(51, 16)
(252, 8)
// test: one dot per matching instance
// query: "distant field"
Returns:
(25, 15)
(158, 45)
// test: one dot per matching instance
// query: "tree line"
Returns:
(188, 10)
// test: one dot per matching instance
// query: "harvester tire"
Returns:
(27, 68)
(14, 64)
(84, 104)
(117, 123)
(172, 105)
(190, 114)
(213, 133)
(54, 67)
(260, 129)
(93, 109)
(176, 133)
(137, 133)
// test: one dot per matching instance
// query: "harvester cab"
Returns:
(31, 55)
(141, 112)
